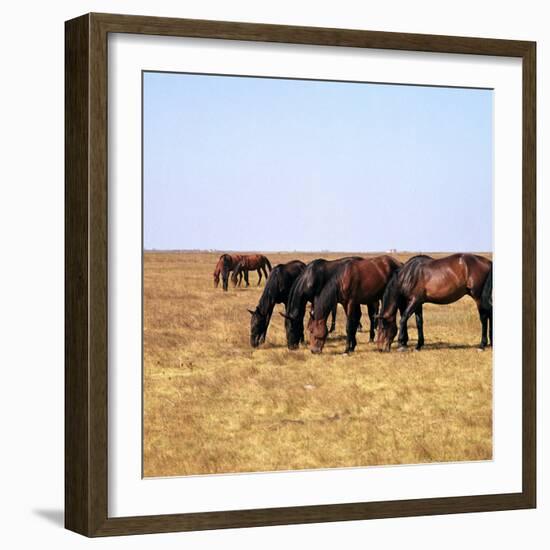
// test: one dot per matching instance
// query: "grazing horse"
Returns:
(304, 290)
(225, 265)
(252, 262)
(351, 284)
(437, 281)
(276, 291)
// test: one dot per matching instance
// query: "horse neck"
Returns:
(390, 299)
(298, 299)
(326, 300)
(218, 268)
(268, 298)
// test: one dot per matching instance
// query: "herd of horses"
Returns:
(382, 283)
(240, 265)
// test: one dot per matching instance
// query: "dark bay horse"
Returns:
(247, 263)
(304, 290)
(437, 281)
(352, 283)
(276, 291)
(225, 265)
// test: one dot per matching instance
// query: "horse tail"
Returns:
(487, 291)
(268, 263)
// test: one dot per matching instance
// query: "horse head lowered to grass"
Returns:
(352, 283)
(276, 291)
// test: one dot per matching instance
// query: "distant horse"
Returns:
(276, 291)
(443, 281)
(248, 263)
(352, 283)
(304, 290)
(225, 265)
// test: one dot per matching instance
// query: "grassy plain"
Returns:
(212, 404)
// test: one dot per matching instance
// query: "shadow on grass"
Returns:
(443, 345)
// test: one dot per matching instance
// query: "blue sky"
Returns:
(240, 163)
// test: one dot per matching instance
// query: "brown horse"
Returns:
(443, 281)
(308, 285)
(247, 263)
(225, 265)
(353, 283)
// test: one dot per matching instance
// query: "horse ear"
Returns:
(251, 311)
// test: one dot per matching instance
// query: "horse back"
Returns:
(365, 280)
(445, 280)
(253, 261)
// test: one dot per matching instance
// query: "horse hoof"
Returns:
(402, 348)
(480, 349)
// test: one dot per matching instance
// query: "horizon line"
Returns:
(324, 251)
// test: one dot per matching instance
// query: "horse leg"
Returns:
(259, 271)
(360, 326)
(420, 327)
(484, 318)
(354, 317)
(246, 277)
(491, 329)
(333, 322)
(373, 310)
(403, 337)
(265, 271)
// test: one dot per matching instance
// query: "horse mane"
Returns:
(328, 297)
(409, 273)
(271, 290)
(297, 297)
(391, 293)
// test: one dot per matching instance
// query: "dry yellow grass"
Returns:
(214, 405)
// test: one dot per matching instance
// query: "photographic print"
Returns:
(317, 274)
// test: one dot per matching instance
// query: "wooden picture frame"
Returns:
(86, 281)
